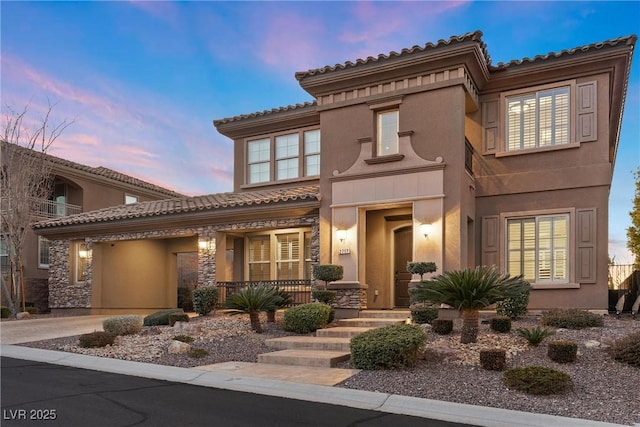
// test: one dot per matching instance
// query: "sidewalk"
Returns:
(14, 332)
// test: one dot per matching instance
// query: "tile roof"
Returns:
(107, 173)
(264, 113)
(629, 40)
(472, 36)
(209, 202)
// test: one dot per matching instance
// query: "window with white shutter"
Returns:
(279, 255)
(288, 256)
(259, 258)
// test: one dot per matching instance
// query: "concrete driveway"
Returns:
(21, 331)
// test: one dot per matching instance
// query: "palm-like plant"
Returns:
(284, 300)
(469, 291)
(253, 300)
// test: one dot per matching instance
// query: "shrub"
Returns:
(562, 351)
(571, 318)
(198, 353)
(421, 268)
(96, 339)
(178, 317)
(205, 300)
(4, 312)
(514, 306)
(324, 296)
(328, 272)
(185, 299)
(253, 300)
(123, 325)
(31, 310)
(282, 299)
(493, 359)
(160, 317)
(627, 349)
(306, 318)
(500, 323)
(537, 380)
(183, 338)
(392, 346)
(442, 326)
(423, 313)
(535, 335)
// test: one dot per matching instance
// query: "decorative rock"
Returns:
(178, 347)
(439, 352)
(592, 344)
(23, 315)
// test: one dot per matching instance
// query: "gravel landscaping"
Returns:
(604, 390)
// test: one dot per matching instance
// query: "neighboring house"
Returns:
(429, 154)
(76, 188)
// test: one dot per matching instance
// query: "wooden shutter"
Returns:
(586, 111)
(490, 240)
(490, 121)
(586, 245)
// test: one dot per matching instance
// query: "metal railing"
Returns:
(53, 209)
(300, 290)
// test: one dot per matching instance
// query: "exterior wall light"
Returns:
(341, 235)
(426, 229)
(84, 253)
(205, 245)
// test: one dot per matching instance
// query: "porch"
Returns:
(299, 289)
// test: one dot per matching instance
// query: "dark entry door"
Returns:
(403, 244)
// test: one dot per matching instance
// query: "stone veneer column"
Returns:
(207, 262)
(62, 293)
(351, 298)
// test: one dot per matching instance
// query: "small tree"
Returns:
(328, 273)
(421, 268)
(633, 231)
(25, 180)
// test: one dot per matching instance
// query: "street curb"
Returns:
(383, 402)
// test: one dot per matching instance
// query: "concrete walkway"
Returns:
(22, 331)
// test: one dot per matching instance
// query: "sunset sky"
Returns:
(144, 80)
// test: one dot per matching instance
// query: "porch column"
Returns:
(351, 298)
(206, 261)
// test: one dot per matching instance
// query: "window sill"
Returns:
(384, 159)
(555, 285)
(537, 150)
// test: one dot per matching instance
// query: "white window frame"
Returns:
(259, 162)
(392, 140)
(569, 282)
(287, 155)
(303, 262)
(42, 241)
(311, 153)
(504, 150)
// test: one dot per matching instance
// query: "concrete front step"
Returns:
(369, 322)
(309, 343)
(386, 314)
(342, 331)
(315, 358)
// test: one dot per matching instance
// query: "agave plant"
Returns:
(535, 335)
(253, 300)
(469, 291)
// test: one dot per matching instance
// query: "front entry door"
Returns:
(403, 244)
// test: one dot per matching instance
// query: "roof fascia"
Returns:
(269, 122)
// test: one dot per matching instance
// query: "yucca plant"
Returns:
(535, 335)
(253, 300)
(469, 291)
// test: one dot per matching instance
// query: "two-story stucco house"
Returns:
(428, 154)
(76, 188)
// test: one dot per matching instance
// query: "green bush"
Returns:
(500, 323)
(160, 317)
(392, 346)
(627, 349)
(421, 268)
(96, 339)
(562, 351)
(442, 326)
(205, 300)
(538, 380)
(515, 306)
(128, 324)
(535, 335)
(493, 359)
(328, 272)
(571, 318)
(423, 313)
(31, 310)
(324, 296)
(4, 312)
(306, 318)
(178, 317)
(183, 338)
(198, 353)
(185, 299)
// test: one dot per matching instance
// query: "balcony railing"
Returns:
(53, 209)
(300, 290)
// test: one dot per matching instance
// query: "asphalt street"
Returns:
(40, 394)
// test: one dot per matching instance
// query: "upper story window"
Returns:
(539, 119)
(538, 248)
(289, 155)
(130, 199)
(387, 133)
